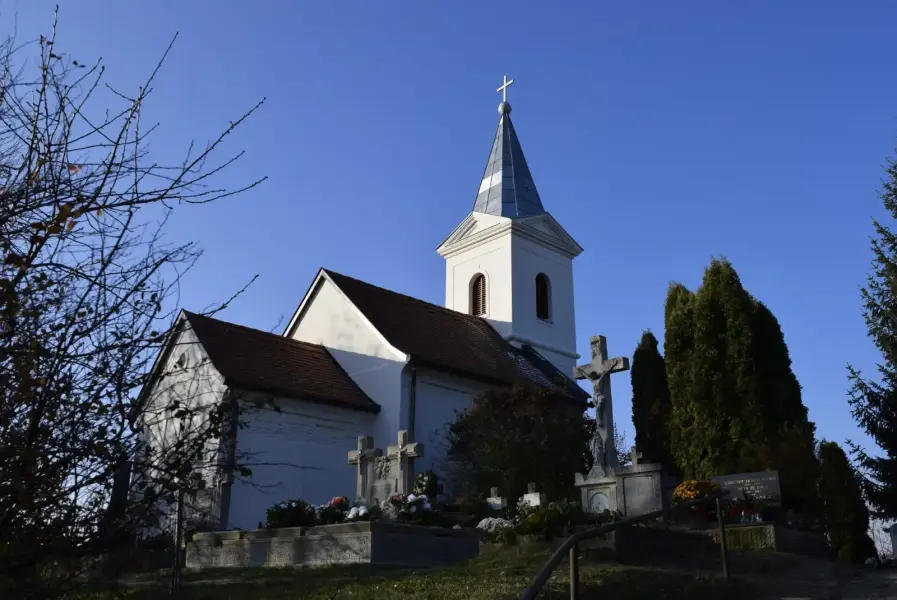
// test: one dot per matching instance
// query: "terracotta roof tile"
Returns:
(450, 340)
(255, 360)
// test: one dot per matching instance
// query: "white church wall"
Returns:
(493, 259)
(331, 320)
(555, 339)
(188, 377)
(439, 396)
(297, 453)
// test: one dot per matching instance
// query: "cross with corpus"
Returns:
(503, 88)
(362, 458)
(598, 372)
(403, 455)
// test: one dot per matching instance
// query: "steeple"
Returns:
(507, 188)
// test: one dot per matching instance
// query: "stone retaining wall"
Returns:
(377, 543)
(769, 536)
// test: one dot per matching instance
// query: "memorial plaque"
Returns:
(763, 486)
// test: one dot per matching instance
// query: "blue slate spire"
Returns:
(507, 188)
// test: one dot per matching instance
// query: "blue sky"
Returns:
(659, 134)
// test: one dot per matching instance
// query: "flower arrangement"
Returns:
(426, 484)
(498, 531)
(333, 512)
(494, 525)
(298, 513)
(693, 490)
(290, 513)
(410, 509)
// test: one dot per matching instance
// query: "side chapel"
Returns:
(360, 360)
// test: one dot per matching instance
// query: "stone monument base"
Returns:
(374, 543)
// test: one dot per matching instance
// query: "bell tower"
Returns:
(509, 261)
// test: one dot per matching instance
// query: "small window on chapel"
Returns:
(478, 295)
(543, 297)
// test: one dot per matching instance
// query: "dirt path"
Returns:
(872, 585)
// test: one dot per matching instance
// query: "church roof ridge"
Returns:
(447, 339)
(432, 305)
(507, 188)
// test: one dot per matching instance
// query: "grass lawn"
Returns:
(495, 575)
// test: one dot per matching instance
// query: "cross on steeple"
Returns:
(503, 88)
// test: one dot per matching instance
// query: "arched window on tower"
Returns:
(478, 295)
(543, 297)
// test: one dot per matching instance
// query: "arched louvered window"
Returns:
(478, 295)
(543, 297)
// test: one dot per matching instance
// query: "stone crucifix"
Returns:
(403, 455)
(598, 372)
(363, 460)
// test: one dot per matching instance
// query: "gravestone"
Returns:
(532, 497)
(496, 502)
(363, 458)
(403, 455)
(378, 476)
(762, 486)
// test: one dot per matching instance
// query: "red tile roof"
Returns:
(254, 360)
(449, 340)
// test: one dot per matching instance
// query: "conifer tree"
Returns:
(846, 515)
(790, 434)
(726, 376)
(685, 429)
(736, 404)
(874, 402)
(651, 407)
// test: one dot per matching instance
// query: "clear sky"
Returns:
(659, 134)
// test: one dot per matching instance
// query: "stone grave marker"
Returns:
(402, 457)
(495, 501)
(363, 459)
(762, 486)
(532, 497)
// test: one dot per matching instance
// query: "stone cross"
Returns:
(598, 372)
(403, 455)
(532, 497)
(504, 88)
(363, 459)
(495, 501)
(636, 456)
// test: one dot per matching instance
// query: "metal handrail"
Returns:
(570, 545)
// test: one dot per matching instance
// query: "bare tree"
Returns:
(87, 287)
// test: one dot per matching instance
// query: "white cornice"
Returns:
(563, 243)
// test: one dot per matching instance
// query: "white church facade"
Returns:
(357, 359)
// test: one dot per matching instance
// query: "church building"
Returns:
(356, 359)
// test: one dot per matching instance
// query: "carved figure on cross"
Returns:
(598, 371)
(403, 455)
(363, 459)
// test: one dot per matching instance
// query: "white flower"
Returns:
(427, 506)
(413, 509)
(353, 513)
(493, 525)
(362, 511)
(411, 498)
